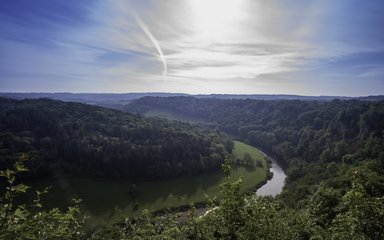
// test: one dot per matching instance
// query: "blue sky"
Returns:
(306, 47)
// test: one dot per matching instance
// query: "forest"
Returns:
(333, 153)
(313, 140)
(74, 139)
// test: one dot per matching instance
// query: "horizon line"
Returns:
(198, 94)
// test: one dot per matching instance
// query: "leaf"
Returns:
(7, 173)
(39, 205)
(20, 188)
(20, 167)
(19, 213)
(76, 201)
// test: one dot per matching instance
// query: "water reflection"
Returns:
(275, 185)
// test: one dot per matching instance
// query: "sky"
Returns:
(304, 47)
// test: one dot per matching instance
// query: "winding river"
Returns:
(274, 185)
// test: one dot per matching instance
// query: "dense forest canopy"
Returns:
(309, 130)
(76, 139)
(313, 140)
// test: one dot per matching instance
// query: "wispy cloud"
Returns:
(147, 32)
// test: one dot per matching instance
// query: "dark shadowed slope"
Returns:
(64, 138)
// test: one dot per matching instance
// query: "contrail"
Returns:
(153, 40)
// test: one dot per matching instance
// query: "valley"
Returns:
(165, 153)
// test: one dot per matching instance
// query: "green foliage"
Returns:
(287, 129)
(19, 221)
(73, 139)
(304, 136)
(359, 215)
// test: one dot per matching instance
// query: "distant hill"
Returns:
(75, 139)
(287, 97)
(120, 101)
(117, 99)
(88, 97)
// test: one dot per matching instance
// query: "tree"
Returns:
(361, 216)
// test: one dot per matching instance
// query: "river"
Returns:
(274, 185)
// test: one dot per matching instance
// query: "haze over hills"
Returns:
(88, 97)
(120, 98)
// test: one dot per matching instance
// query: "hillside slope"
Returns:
(74, 139)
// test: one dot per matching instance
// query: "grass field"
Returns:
(240, 148)
(101, 197)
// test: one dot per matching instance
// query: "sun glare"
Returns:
(215, 20)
